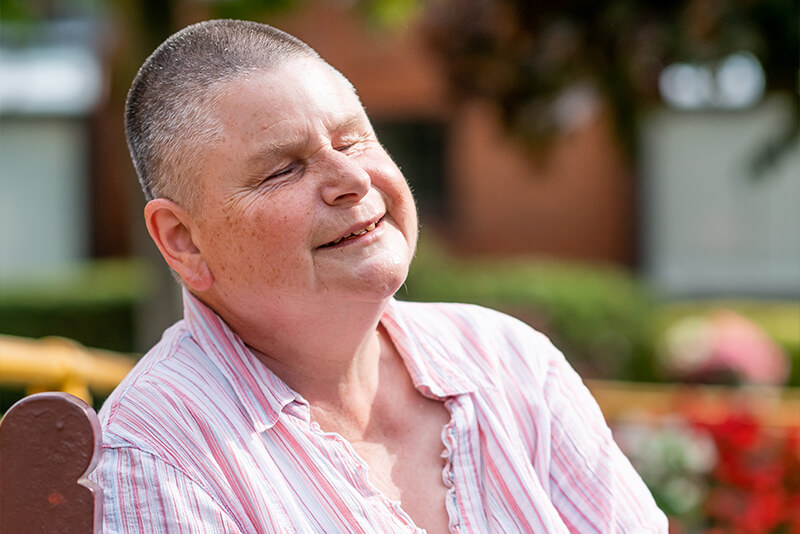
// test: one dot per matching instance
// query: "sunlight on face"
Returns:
(300, 203)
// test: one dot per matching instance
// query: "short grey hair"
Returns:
(168, 114)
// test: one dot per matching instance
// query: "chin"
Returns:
(381, 283)
(390, 283)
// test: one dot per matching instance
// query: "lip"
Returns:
(354, 233)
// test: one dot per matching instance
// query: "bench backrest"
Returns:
(49, 443)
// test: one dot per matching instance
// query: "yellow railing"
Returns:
(644, 402)
(59, 364)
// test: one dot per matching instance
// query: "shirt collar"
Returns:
(262, 394)
(427, 358)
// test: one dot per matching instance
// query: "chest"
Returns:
(406, 465)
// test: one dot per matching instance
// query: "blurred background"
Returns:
(623, 175)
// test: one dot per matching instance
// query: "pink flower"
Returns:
(744, 347)
(723, 346)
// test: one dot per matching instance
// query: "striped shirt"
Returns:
(202, 437)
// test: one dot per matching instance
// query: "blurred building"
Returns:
(51, 83)
(709, 225)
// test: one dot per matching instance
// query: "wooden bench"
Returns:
(49, 443)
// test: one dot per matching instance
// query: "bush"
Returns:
(600, 317)
(93, 303)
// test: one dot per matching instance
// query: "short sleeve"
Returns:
(144, 494)
(593, 485)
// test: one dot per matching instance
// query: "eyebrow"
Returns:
(349, 122)
(276, 149)
(271, 152)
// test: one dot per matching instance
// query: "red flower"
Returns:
(755, 485)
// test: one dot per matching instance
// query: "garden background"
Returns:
(622, 175)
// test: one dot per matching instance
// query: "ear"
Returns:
(170, 227)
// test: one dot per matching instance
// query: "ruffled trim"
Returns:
(448, 473)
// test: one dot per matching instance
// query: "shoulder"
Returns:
(166, 398)
(173, 431)
(467, 320)
(493, 340)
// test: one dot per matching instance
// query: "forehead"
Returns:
(301, 94)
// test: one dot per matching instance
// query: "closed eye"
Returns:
(345, 148)
(283, 172)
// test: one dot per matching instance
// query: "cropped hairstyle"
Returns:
(168, 118)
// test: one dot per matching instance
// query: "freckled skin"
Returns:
(260, 236)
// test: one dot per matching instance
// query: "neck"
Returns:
(330, 354)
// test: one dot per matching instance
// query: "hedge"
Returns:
(93, 303)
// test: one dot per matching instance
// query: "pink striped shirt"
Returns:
(202, 437)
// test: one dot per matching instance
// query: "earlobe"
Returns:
(170, 227)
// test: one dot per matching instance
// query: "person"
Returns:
(297, 394)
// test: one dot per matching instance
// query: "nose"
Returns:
(345, 181)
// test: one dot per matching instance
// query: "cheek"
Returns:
(387, 177)
(401, 190)
(272, 246)
(231, 247)
(405, 207)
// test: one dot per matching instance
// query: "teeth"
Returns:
(369, 228)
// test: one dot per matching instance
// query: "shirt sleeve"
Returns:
(144, 494)
(593, 485)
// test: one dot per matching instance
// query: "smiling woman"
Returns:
(297, 395)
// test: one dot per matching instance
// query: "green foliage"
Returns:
(8, 396)
(15, 10)
(251, 9)
(598, 316)
(389, 13)
(37, 10)
(94, 304)
(381, 14)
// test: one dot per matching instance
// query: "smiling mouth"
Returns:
(353, 235)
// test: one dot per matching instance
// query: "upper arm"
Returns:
(592, 484)
(144, 494)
